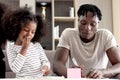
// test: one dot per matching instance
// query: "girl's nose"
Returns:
(29, 33)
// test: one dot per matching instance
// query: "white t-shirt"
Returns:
(92, 54)
(28, 65)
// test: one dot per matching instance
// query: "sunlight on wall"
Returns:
(116, 19)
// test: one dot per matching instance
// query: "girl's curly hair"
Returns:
(13, 23)
(41, 30)
(3, 9)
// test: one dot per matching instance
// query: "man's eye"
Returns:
(83, 23)
(93, 24)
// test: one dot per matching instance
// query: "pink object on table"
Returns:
(73, 73)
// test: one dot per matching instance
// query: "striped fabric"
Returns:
(28, 65)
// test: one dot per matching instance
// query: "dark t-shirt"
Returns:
(2, 64)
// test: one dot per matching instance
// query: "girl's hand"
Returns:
(26, 42)
(25, 45)
(45, 70)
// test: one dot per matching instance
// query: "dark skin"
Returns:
(60, 61)
(87, 35)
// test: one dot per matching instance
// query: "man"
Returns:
(88, 47)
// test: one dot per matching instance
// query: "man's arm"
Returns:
(60, 60)
(114, 57)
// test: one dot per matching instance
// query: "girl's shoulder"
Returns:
(36, 44)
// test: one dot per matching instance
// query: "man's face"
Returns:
(88, 25)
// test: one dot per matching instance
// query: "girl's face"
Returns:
(27, 31)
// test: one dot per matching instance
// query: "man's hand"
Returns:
(96, 73)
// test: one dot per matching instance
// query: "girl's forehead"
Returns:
(29, 23)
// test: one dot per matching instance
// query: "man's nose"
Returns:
(88, 27)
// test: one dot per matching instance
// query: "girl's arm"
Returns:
(15, 59)
(45, 64)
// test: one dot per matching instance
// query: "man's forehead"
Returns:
(89, 17)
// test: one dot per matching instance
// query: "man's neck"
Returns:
(87, 40)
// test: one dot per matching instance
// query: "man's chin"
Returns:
(87, 38)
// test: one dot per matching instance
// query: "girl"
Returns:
(26, 56)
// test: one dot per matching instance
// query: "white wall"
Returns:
(106, 9)
(116, 19)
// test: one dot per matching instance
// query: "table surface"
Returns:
(53, 78)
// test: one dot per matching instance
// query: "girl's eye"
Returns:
(26, 30)
(33, 32)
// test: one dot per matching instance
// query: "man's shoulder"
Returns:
(104, 31)
(71, 30)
